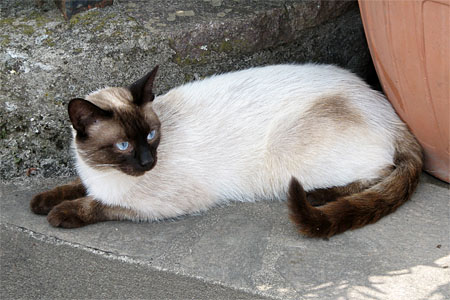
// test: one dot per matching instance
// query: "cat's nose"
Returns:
(145, 158)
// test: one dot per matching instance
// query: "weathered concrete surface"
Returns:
(34, 268)
(242, 251)
(45, 61)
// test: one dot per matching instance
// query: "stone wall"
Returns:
(45, 61)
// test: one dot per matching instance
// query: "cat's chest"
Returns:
(109, 186)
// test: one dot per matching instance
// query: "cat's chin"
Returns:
(137, 172)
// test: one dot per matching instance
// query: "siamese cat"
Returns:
(274, 132)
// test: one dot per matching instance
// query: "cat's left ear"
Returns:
(142, 89)
(83, 113)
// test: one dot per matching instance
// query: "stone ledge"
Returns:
(38, 266)
(246, 250)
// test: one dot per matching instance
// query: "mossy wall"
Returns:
(45, 61)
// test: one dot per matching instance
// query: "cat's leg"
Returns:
(85, 211)
(42, 203)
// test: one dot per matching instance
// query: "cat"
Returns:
(316, 135)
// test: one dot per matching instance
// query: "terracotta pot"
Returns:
(410, 42)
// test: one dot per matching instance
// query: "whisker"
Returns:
(106, 165)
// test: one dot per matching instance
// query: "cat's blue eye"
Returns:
(151, 135)
(122, 146)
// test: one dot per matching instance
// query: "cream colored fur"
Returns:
(243, 135)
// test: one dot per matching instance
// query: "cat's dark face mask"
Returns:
(124, 137)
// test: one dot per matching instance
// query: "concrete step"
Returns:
(45, 61)
(241, 251)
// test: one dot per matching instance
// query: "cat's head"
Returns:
(117, 128)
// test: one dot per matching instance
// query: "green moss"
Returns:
(225, 46)
(26, 29)
(77, 50)
(188, 77)
(179, 61)
(48, 32)
(117, 33)
(91, 14)
(23, 28)
(171, 43)
(3, 132)
(99, 26)
(49, 42)
(188, 61)
(5, 40)
(93, 19)
(38, 18)
(84, 18)
(74, 21)
(6, 21)
(17, 160)
(41, 21)
(228, 46)
(102, 22)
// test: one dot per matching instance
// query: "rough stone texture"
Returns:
(242, 251)
(72, 7)
(45, 61)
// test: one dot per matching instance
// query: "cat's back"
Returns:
(274, 83)
(279, 119)
(252, 98)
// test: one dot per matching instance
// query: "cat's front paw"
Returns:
(68, 214)
(42, 203)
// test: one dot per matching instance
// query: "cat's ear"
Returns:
(142, 89)
(83, 113)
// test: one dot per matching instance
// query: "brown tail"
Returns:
(357, 210)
